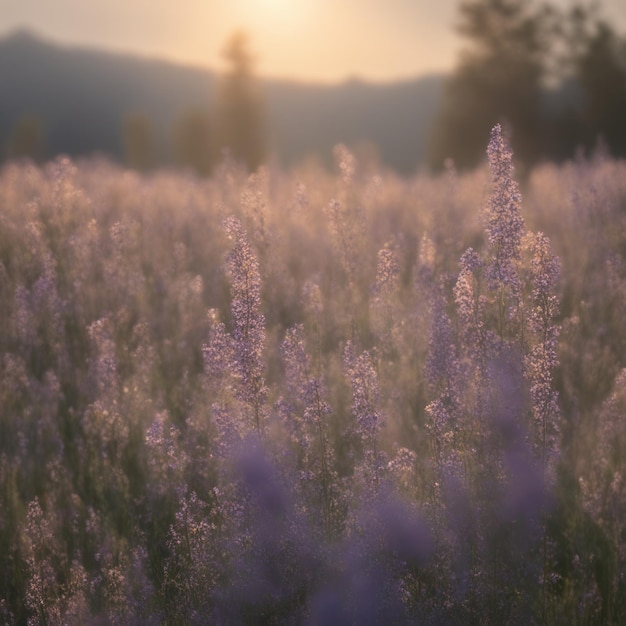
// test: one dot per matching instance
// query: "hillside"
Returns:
(82, 95)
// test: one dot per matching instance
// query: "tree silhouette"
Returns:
(27, 139)
(240, 115)
(601, 72)
(138, 139)
(194, 144)
(499, 79)
(590, 65)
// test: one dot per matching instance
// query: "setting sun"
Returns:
(273, 14)
(307, 40)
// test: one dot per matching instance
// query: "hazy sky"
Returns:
(320, 40)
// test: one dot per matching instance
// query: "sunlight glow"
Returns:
(274, 14)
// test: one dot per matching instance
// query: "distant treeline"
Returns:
(236, 126)
(200, 137)
(555, 79)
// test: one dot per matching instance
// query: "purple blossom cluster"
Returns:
(542, 358)
(248, 330)
(385, 292)
(365, 408)
(504, 222)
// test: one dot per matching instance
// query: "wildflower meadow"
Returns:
(312, 397)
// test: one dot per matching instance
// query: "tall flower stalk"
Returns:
(248, 322)
(307, 419)
(505, 229)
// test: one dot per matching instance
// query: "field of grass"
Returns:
(313, 398)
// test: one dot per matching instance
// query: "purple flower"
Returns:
(365, 391)
(505, 225)
(248, 329)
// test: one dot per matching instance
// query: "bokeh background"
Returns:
(407, 84)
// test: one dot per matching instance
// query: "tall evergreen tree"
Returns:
(27, 139)
(498, 79)
(601, 72)
(591, 69)
(138, 140)
(194, 142)
(240, 116)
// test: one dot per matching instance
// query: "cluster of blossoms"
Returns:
(505, 225)
(248, 321)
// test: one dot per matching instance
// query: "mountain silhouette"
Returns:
(81, 96)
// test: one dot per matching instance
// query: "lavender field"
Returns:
(313, 398)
